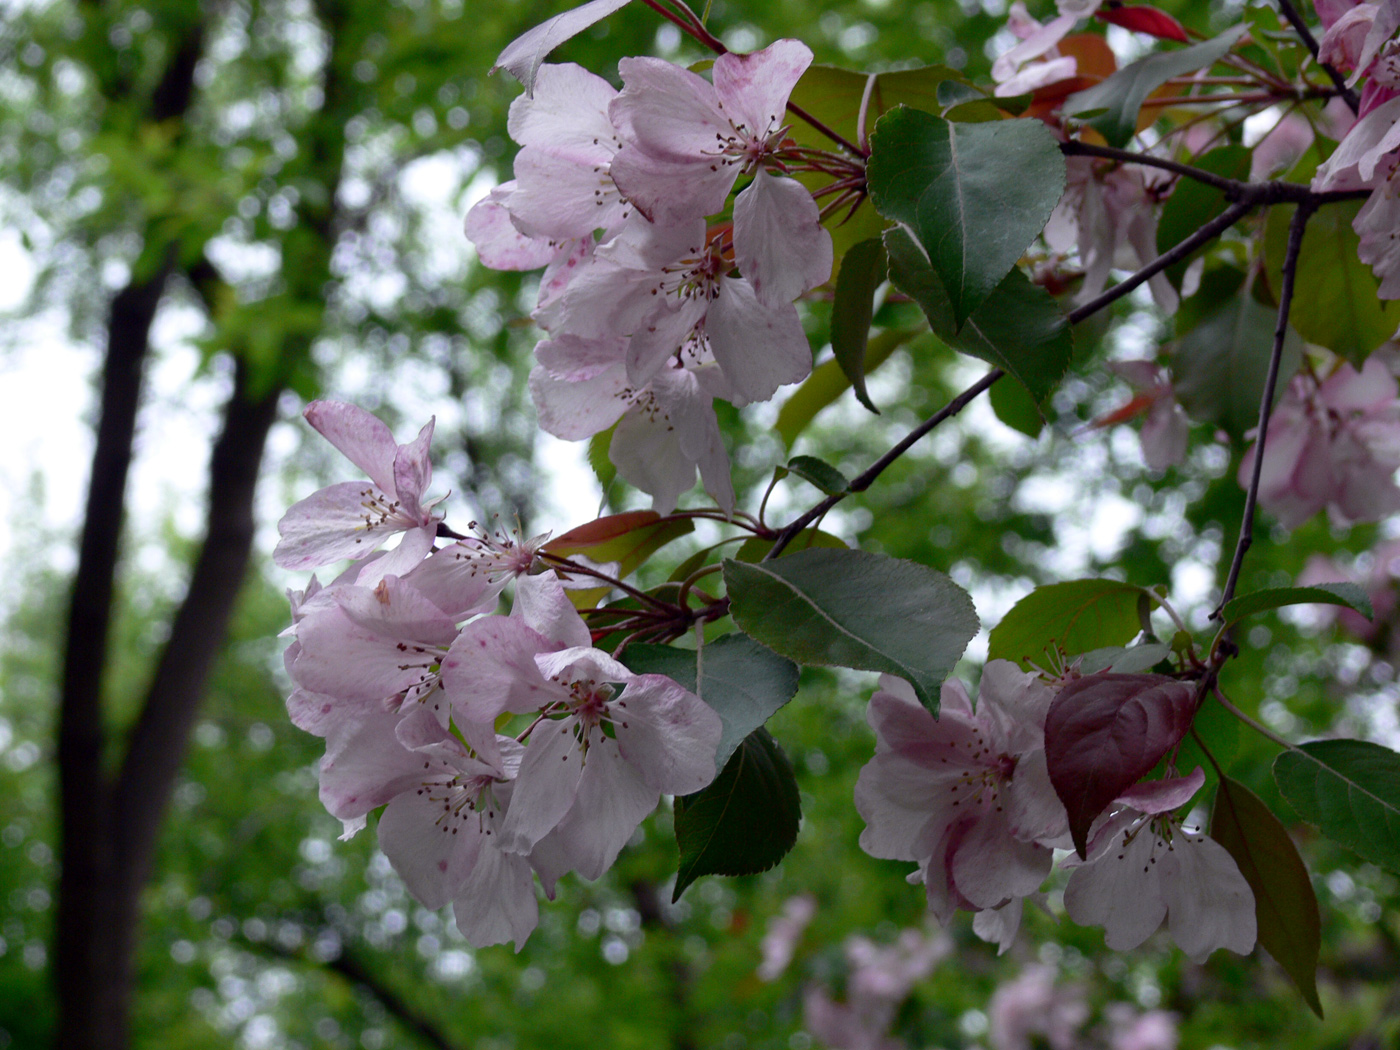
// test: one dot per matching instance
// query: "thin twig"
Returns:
(1254, 193)
(864, 481)
(1266, 400)
(575, 567)
(1262, 730)
(1300, 27)
(831, 133)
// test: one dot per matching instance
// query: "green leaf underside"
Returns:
(1341, 308)
(974, 195)
(1349, 789)
(828, 382)
(1018, 328)
(1221, 364)
(1076, 616)
(744, 822)
(1015, 407)
(744, 682)
(847, 608)
(1193, 204)
(1348, 594)
(1119, 98)
(820, 473)
(1285, 906)
(862, 271)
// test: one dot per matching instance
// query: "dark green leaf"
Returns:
(744, 682)
(1193, 204)
(1074, 617)
(974, 195)
(1285, 907)
(1119, 98)
(1220, 365)
(1019, 328)
(819, 473)
(743, 823)
(862, 271)
(1350, 789)
(1348, 594)
(1337, 306)
(848, 608)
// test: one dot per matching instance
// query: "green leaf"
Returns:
(848, 608)
(1119, 98)
(1193, 204)
(1221, 364)
(862, 271)
(629, 539)
(1285, 906)
(1077, 616)
(834, 95)
(1338, 305)
(828, 382)
(1350, 789)
(974, 195)
(820, 473)
(755, 547)
(1015, 407)
(744, 682)
(744, 822)
(598, 446)
(1019, 328)
(1348, 594)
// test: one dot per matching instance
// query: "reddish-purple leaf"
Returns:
(1143, 19)
(1104, 732)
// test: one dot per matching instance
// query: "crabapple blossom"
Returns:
(352, 519)
(1165, 428)
(967, 795)
(1109, 213)
(1145, 867)
(1032, 1005)
(664, 287)
(1335, 444)
(665, 428)
(598, 758)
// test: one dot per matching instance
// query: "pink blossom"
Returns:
(1110, 215)
(1166, 428)
(352, 519)
(1145, 867)
(1334, 444)
(1131, 1030)
(688, 140)
(967, 796)
(881, 977)
(598, 757)
(665, 428)
(666, 287)
(1379, 580)
(783, 933)
(1031, 1005)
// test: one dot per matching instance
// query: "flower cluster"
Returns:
(404, 667)
(1333, 443)
(968, 797)
(653, 303)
